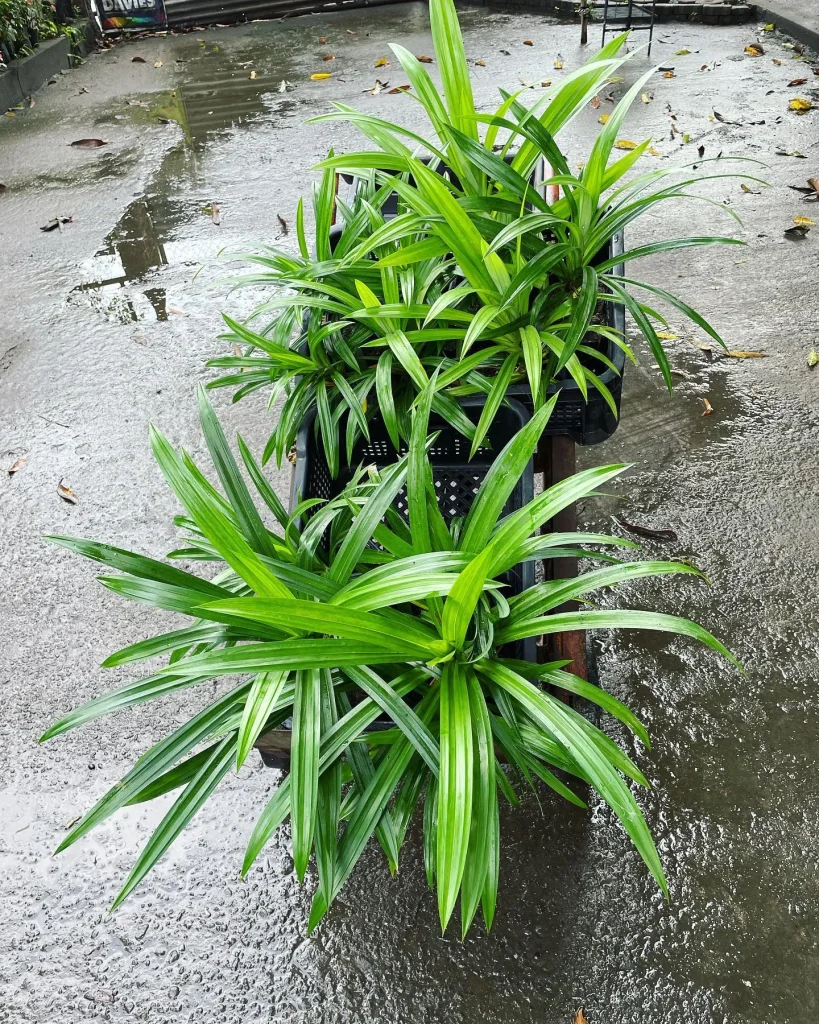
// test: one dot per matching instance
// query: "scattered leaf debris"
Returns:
(625, 144)
(138, 60)
(480, 63)
(595, 102)
(603, 119)
(424, 60)
(329, 56)
(737, 353)
(646, 531)
(215, 214)
(708, 407)
(804, 222)
(528, 42)
(796, 81)
(755, 50)
(382, 62)
(580, 1017)
(793, 152)
(252, 75)
(682, 53)
(811, 193)
(800, 105)
(16, 466)
(377, 88)
(558, 65)
(158, 64)
(797, 231)
(320, 76)
(88, 143)
(283, 222)
(813, 358)
(399, 88)
(66, 493)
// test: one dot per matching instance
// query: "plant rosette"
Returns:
(335, 633)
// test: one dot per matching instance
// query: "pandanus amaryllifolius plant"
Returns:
(359, 614)
(479, 274)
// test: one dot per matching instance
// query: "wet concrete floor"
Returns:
(106, 326)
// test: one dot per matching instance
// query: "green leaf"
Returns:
(194, 795)
(455, 788)
(480, 852)
(304, 765)
(266, 690)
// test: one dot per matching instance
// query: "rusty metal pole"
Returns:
(584, 22)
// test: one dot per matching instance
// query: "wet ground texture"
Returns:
(106, 326)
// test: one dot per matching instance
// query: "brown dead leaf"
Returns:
(424, 60)
(595, 102)
(215, 214)
(708, 407)
(66, 493)
(88, 143)
(56, 224)
(800, 105)
(377, 88)
(580, 1017)
(283, 222)
(778, 62)
(480, 63)
(15, 467)
(797, 81)
(399, 88)
(318, 77)
(138, 60)
(750, 191)
(645, 531)
(528, 42)
(322, 41)
(755, 50)
(811, 192)
(329, 56)
(382, 62)
(669, 74)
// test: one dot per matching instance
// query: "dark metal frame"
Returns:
(645, 8)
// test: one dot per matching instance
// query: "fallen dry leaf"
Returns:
(215, 214)
(56, 223)
(798, 231)
(595, 102)
(66, 493)
(669, 74)
(399, 88)
(805, 222)
(424, 60)
(755, 50)
(138, 60)
(2, 187)
(580, 1017)
(625, 144)
(480, 64)
(811, 193)
(813, 358)
(323, 40)
(176, 312)
(682, 53)
(237, 350)
(158, 64)
(528, 42)
(778, 62)
(350, 32)
(797, 81)
(382, 62)
(558, 65)
(15, 467)
(319, 76)
(793, 152)
(329, 56)
(769, 27)
(377, 88)
(653, 152)
(604, 118)
(645, 531)
(252, 75)
(667, 336)
(283, 222)
(708, 407)
(800, 105)
(647, 97)
(88, 143)
(736, 353)
(750, 191)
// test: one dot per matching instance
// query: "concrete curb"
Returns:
(792, 23)
(26, 75)
(703, 13)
